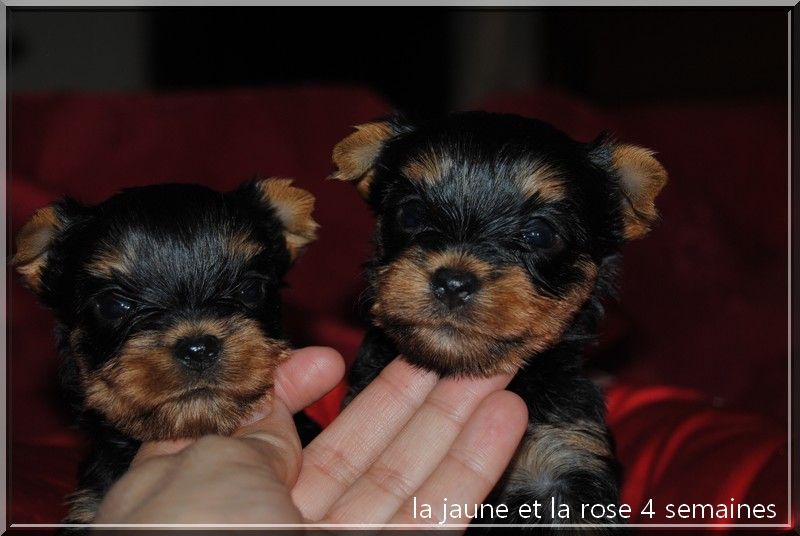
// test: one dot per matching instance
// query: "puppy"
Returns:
(167, 304)
(497, 237)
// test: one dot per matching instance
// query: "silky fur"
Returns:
(181, 255)
(481, 180)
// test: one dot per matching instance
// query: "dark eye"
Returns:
(113, 307)
(411, 216)
(252, 293)
(539, 234)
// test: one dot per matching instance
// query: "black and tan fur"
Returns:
(168, 311)
(497, 237)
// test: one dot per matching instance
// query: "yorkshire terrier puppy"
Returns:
(167, 304)
(497, 237)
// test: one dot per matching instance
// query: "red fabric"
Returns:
(676, 448)
(703, 306)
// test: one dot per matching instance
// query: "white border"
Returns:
(454, 3)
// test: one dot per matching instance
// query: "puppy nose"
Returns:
(197, 353)
(453, 287)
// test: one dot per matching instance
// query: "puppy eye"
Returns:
(539, 234)
(411, 216)
(252, 293)
(113, 307)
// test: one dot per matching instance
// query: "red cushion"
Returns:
(688, 304)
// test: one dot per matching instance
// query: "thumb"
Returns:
(274, 435)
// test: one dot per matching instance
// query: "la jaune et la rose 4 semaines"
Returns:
(454, 512)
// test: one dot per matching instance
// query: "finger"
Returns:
(476, 460)
(275, 437)
(299, 381)
(346, 448)
(307, 376)
(404, 466)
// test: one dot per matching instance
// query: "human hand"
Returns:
(408, 434)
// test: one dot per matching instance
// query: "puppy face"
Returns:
(491, 231)
(168, 299)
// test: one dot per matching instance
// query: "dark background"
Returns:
(422, 60)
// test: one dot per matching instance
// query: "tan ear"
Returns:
(354, 156)
(641, 177)
(33, 244)
(293, 206)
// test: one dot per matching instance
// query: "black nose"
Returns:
(197, 353)
(453, 287)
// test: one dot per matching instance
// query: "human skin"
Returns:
(408, 434)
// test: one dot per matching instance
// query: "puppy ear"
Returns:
(355, 156)
(293, 207)
(641, 178)
(35, 240)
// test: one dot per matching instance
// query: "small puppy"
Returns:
(497, 237)
(168, 310)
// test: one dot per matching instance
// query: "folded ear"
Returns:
(293, 207)
(641, 178)
(355, 156)
(35, 240)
